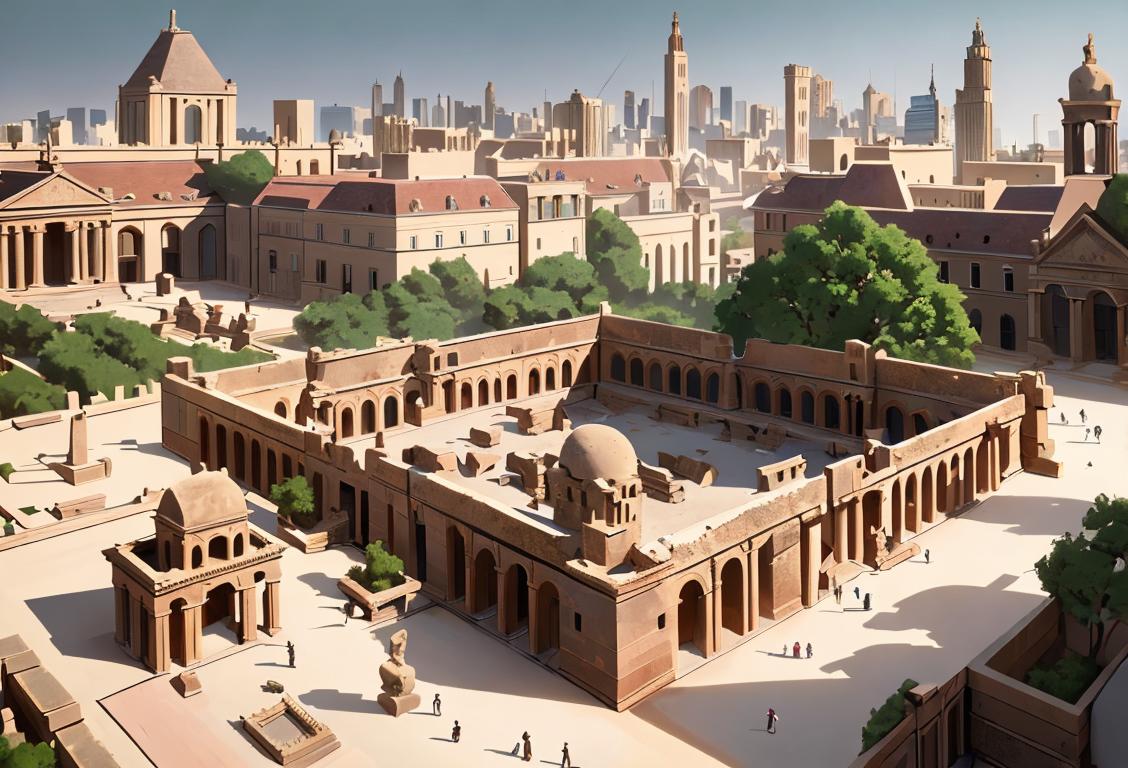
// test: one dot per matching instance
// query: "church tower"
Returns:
(1092, 101)
(677, 95)
(797, 109)
(975, 123)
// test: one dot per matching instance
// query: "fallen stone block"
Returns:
(432, 461)
(700, 472)
(479, 462)
(187, 684)
(485, 438)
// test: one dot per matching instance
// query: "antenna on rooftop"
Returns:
(605, 82)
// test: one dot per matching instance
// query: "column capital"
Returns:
(103, 223)
(36, 229)
(71, 226)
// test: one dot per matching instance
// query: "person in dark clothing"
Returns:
(810, 650)
(1083, 416)
(290, 651)
(772, 719)
(866, 602)
(528, 754)
(857, 593)
(565, 759)
(927, 557)
(437, 706)
(456, 732)
(1097, 432)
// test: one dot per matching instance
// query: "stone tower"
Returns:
(490, 105)
(974, 112)
(677, 94)
(398, 105)
(377, 101)
(1091, 101)
(797, 92)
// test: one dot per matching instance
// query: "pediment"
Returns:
(1084, 244)
(56, 191)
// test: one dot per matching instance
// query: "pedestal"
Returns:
(397, 705)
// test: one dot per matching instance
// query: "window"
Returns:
(768, 221)
(974, 274)
(943, 271)
(413, 242)
(346, 278)
(485, 235)
(451, 203)
(346, 236)
(293, 262)
(783, 225)
(373, 279)
(508, 234)
(661, 621)
(576, 245)
(462, 237)
(1008, 279)
(321, 271)
(712, 225)
(273, 257)
(538, 244)
(371, 239)
(319, 231)
(712, 247)
(438, 239)
(578, 622)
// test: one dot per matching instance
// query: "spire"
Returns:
(977, 37)
(1090, 51)
(932, 82)
(172, 21)
(675, 35)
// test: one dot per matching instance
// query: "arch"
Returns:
(346, 422)
(654, 376)
(217, 547)
(456, 564)
(712, 388)
(287, 466)
(483, 392)
(659, 266)
(673, 380)
(566, 374)
(271, 468)
(131, 255)
(969, 476)
(448, 396)
(687, 269)
(783, 396)
(895, 424)
(485, 581)
(920, 423)
(323, 412)
(466, 396)
(636, 371)
(368, 417)
(314, 167)
(548, 618)
(975, 318)
(618, 368)
(732, 596)
(1056, 320)
(176, 637)
(511, 387)
(205, 435)
(943, 488)
(256, 464)
(807, 407)
(1105, 341)
(240, 445)
(534, 381)
(209, 269)
(832, 415)
(237, 546)
(193, 124)
(912, 511)
(927, 498)
(897, 507)
(516, 599)
(391, 411)
(1006, 332)
(691, 615)
(693, 383)
(281, 409)
(170, 249)
(220, 446)
(762, 397)
(497, 390)
(955, 493)
(983, 467)
(197, 556)
(843, 162)
(549, 378)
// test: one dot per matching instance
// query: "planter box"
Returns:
(381, 606)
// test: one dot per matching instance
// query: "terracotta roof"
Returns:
(996, 232)
(13, 180)
(620, 173)
(869, 185)
(179, 64)
(386, 197)
(1043, 198)
(146, 179)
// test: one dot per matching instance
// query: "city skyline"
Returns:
(1027, 79)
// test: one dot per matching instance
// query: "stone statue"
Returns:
(881, 545)
(1090, 51)
(397, 678)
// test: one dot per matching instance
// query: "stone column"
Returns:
(84, 253)
(110, 250)
(753, 581)
(78, 453)
(21, 259)
(99, 251)
(1121, 350)
(502, 607)
(248, 616)
(193, 633)
(534, 619)
(811, 541)
(841, 548)
(159, 655)
(912, 513)
(857, 530)
(272, 621)
(37, 256)
(1076, 330)
(708, 605)
(119, 616)
(135, 628)
(1034, 317)
(4, 258)
(73, 228)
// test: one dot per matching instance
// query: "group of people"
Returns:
(838, 590)
(1096, 431)
(795, 650)
(523, 747)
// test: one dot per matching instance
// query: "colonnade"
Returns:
(89, 253)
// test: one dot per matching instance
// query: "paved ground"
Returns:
(927, 622)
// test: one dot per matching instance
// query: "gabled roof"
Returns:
(1043, 198)
(47, 190)
(12, 182)
(1103, 250)
(146, 179)
(387, 197)
(866, 184)
(178, 62)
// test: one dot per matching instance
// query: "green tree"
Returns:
(1081, 571)
(23, 331)
(23, 393)
(614, 249)
(26, 755)
(1112, 206)
(381, 570)
(885, 718)
(344, 322)
(847, 278)
(461, 285)
(295, 500)
(417, 308)
(240, 179)
(505, 307)
(74, 361)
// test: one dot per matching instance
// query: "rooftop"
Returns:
(179, 64)
(386, 197)
(607, 176)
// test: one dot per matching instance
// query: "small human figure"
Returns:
(290, 651)
(528, 753)
(866, 602)
(1097, 432)
(565, 759)
(784, 650)
(838, 595)
(810, 651)
(437, 706)
(247, 308)
(1087, 434)
(772, 719)
(927, 557)
(857, 593)
(456, 732)
(1083, 416)
(795, 650)
(347, 610)
(1063, 419)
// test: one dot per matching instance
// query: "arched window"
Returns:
(217, 548)
(1006, 332)
(280, 409)
(655, 377)
(193, 125)
(549, 378)
(784, 395)
(534, 382)
(618, 368)
(511, 387)
(693, 383)
(895, 424)
(483, 392)
(762, 396)
(807, 407)
(368, 417)
(566, 373)
(920, 424)
(831, 414)
(197, 556)
(238, 547)
(636, 372)
(391, 411)
(712, 388)
(346, 422)
(975, 318)
(208, 262)
(673, 380)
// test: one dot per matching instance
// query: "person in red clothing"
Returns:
(795, 649)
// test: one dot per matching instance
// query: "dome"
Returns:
(203, 500)
(596, 451)
(1089, 82)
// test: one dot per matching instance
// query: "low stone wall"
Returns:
(381, 606)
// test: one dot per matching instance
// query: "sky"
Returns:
(332, 51)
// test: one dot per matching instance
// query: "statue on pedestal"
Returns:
(397, 678)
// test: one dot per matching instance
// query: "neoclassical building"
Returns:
(205, 564)
(607, 493)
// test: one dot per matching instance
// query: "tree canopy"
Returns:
(381, 570)
(348, 321)
(1112, 206)
(23, 331)
(295, 500)
(848, 278)
(26, 755)
(240, 179)
(615, 252)
(23, 393)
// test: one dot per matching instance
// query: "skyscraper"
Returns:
(822, 96)
(740, 118)
(490, 106)
(974, 112)
(420, 112)
(677, 94)
(925, 119)
(629, 109)
(377, 101)
(644, 113)
(726, 103)
(397, 96)
(797, 92)
(700, 107)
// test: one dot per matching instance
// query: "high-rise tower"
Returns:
(974, 113)
(398, 105)
(677, 94)
(490, 105)
(797, 93)
(377, 102)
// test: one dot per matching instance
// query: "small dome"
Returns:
(201, 501)
(596, 451)
(1090, 83)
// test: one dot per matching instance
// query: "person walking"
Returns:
(866, 602)
(290, 652)
(565, 759)
(927, 557)
(784, 654)
(437, 706)
(1087, 430)
(1097, 432)
(1083, 416)
(456, 732)
(795, 650)
(773, 718)
(347, 610)
(528, 753)
(838, 595)
(857, 593)
(810, 651)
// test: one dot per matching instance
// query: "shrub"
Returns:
(382, 570)
(23, 331)
(295, 500)
(23, 393)
(26, 755)
(7, 470)
(1067, 678)
(885, 718)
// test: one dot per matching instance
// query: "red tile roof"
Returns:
(146, 179)
(1042, 198)
(178, 62)
(869, 185)
(995, 232)
(386, 197)
(619, 173)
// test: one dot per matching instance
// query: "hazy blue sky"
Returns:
(78, 53)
